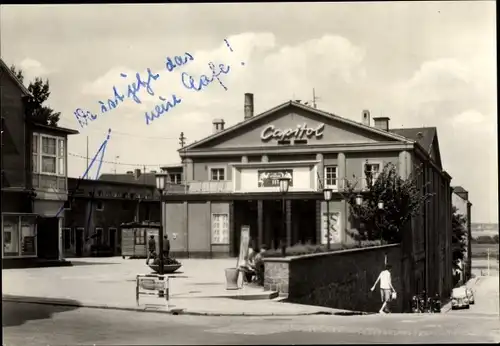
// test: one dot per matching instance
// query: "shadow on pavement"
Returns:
(79, 263)
(17, 313)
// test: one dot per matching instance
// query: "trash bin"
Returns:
(232, 279)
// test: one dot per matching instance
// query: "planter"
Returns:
(232, 278)
(167, 269)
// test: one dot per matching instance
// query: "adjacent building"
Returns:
(34, 178)
(232, 180)
(461, 201)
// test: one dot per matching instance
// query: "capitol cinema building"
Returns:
(232, 178)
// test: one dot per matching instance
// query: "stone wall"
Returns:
(340, 279)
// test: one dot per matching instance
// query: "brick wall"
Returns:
(340, 279)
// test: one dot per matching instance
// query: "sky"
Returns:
(419, 63)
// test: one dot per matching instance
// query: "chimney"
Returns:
(248, 105)
(137, 173)
(365, 118)
(130, 172)
(218, 125)
(381, 123)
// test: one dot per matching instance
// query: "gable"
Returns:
(8, 74)
(295, 123)
(434, 152)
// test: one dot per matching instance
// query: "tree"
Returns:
(459, 236)
(402, 199)
(40, 92)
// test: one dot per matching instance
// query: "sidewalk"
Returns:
(197, 288)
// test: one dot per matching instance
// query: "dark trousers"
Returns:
(151, 254)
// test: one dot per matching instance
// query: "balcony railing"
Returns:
(221, 186)
(226, 186)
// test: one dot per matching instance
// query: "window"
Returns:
(99, 206)
(19, 233)
(217, 174)
(220, 229)
(139, 237)
(284, 142)
(331, 176)
(10, 235)
(28, 240)
(175, 178)
(35, 152)
(49, 154)
(374, 168)
(67, 205)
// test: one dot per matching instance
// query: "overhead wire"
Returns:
(118, 163)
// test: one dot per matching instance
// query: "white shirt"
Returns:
(385, 280)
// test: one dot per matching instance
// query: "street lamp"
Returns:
(381, 209)
(161, 185)
(284, 185)
(359, 199)
(327, 194)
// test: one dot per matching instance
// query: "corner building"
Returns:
(232, 180)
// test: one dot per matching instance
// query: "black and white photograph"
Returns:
(249, 173)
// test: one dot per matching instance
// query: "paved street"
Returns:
(486, 293)
(36, 324)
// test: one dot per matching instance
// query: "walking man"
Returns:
(151, 249)
(166, 246)
(386, 287)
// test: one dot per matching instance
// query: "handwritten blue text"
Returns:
(190, 83)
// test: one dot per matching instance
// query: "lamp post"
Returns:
(327, 194)
(161, 185)
(359, 199)
(284, 185)
(381, 209)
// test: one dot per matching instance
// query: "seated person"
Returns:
(248, 266)
(259, 265)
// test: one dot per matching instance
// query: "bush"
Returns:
(166, 261)
(307, 249)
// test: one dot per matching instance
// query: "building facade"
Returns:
(231, 179)
(461, 201)
(34, 178)
(97, 208)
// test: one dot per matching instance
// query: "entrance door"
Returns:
(79, 242)
(48, 237)
(112, 240)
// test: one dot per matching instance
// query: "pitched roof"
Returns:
(143, 179)
(459, 189)
(57, 128)
(394, 136)
(425, 139)
(4, 66)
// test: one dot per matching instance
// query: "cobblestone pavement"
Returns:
(35, 324)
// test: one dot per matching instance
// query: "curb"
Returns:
(65, 302)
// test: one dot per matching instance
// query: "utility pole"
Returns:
(182, 142)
